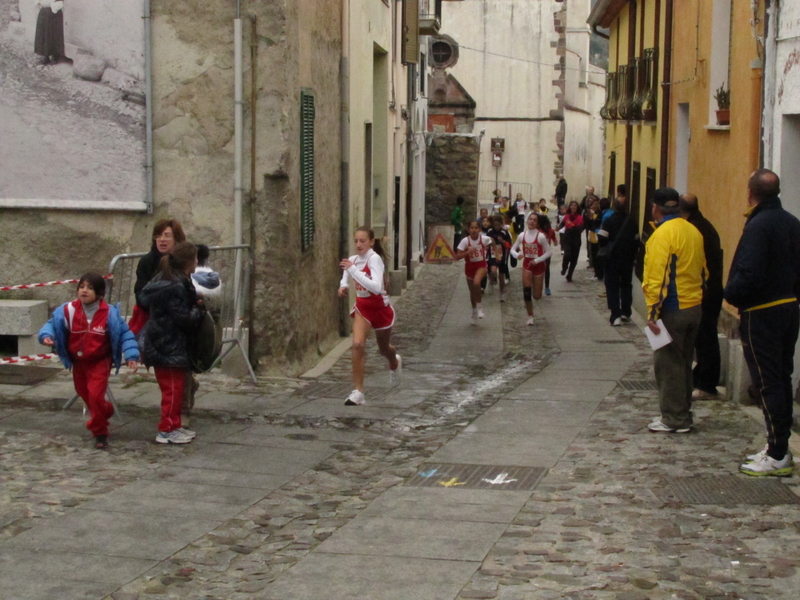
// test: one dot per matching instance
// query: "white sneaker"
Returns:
(188, 432)
(617, 322)
(356, 398)
(759, 455)
(766, 465)
(530, 320)
(395, 374)
(172, 437)
(658, 426)
(480, 313)
(474, 316)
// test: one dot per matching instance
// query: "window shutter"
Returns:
(410, 49)
(306, 168)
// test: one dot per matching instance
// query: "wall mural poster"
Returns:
(72, 102)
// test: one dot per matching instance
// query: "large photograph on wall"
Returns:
(72, 104)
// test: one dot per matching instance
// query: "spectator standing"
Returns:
(674, 267)
(620, 235)
(707, 368)
(561, 191)
(763, 285)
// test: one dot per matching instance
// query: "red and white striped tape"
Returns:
(18, 359)
(26, 286)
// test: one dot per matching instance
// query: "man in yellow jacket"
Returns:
(674, 273)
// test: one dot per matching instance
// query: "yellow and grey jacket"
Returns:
(674, 267)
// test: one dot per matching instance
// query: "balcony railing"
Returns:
(632, 92)
(430, 17)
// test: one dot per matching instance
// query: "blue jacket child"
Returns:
(89, 336)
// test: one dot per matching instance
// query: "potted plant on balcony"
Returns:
(723, 98)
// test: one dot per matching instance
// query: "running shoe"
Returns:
(766, 465)
(546, 291)
(356, 398)
(395, 374)
(172, 437)
(188, 432)
(480, 313)
(530, 320)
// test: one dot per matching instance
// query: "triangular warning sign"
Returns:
(439, 251)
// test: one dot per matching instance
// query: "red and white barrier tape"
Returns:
(44, 284)
(18, 359)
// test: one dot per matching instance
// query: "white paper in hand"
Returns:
(660, 340)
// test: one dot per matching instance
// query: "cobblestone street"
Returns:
(287, 494)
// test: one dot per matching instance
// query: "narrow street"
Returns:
(512, 462)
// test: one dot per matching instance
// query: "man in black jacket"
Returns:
(763, 285)
(620, 235)
(561, 191)
(707, 370)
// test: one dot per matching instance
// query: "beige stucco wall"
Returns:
(506, 88)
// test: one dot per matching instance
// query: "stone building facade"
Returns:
(297, 47)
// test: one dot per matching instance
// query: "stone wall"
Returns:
(452, 171)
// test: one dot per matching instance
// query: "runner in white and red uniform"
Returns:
(475, 250)
(532, 245)
(372, 309)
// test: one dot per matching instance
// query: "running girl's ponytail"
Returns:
(378, 245)
(175, 263)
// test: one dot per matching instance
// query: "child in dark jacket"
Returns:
(89, 336)
(175, 313)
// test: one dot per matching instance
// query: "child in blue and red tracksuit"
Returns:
(89, 336)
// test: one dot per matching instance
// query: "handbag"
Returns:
(205, 345)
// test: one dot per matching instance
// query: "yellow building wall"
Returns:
(645, 146)
(720, 161)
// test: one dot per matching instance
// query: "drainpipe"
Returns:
(344, 117)
(410, 168)
(238, 126)
(665, 101)
(148, 90)
(764, 75)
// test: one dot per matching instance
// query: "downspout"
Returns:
(148, 90)
(410, 168)
(665, 100)
(237, 127)
(252, 194)
(764, 75)
(344, 116)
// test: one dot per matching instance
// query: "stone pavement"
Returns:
(513, 462)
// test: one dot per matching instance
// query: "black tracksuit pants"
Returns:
(768, 339)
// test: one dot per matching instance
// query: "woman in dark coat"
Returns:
(166, 234)
(49, 40)
(175, 314)
(571, 242)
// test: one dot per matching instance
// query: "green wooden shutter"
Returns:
(306, 168)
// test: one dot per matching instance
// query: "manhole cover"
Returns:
(322, 389)
(22, 375)
(730, 490)
(477, 477)
(638, 385)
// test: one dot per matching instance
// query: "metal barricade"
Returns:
(510, 189)
(234, 265)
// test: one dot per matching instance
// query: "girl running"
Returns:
(372, 309)
(90, 337)
(547, 229)
(498, 256)
(571, 242)
(535, 252)
(474, 249)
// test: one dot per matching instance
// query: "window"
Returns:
(441, 52)
(720, 52)
(423, 72)
(306, 168)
